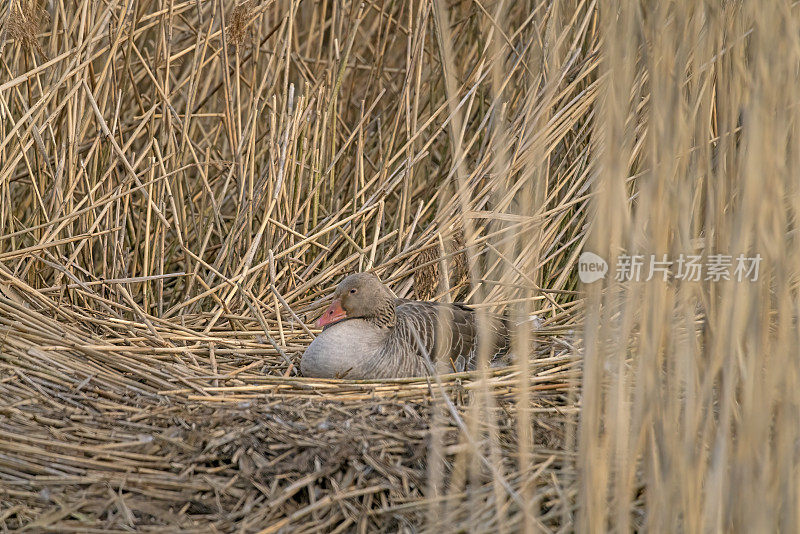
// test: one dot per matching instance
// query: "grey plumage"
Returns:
(385, 337)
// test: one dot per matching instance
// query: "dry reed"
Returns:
(182, 184)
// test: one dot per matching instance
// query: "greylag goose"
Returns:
(369, 333)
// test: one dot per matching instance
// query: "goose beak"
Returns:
(333, 314)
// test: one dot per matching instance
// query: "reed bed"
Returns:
(182, 184)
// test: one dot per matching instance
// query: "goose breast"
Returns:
(343, 350)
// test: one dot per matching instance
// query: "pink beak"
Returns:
(333, 314)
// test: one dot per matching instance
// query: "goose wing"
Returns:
(418, 326)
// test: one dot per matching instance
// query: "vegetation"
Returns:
(183, 183)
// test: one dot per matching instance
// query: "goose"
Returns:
(369, 333)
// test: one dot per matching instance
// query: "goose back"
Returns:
(418, 332)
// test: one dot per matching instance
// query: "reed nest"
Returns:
(99, 435)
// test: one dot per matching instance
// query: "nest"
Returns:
(106, 435)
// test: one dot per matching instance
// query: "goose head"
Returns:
(360, 296)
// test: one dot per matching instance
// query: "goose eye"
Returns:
(353, 291)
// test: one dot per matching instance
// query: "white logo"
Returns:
(591, 267)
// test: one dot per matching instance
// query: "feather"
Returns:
(455, 339)
(381, 336)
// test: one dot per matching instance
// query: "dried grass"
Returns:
(182, 184)
(99, 435)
